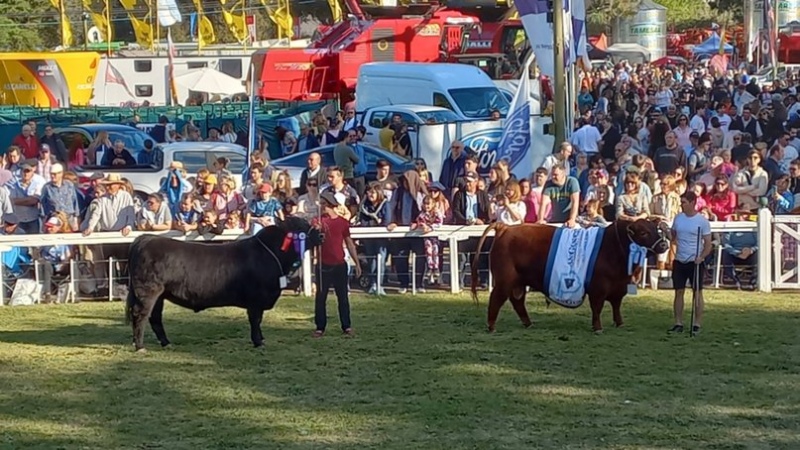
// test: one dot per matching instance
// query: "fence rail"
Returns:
(449, 233)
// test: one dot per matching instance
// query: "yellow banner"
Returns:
(236, 22)
(98, 19)
(205, 29)
(143, 31)
(50, 80)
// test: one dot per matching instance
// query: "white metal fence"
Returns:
(452, 234)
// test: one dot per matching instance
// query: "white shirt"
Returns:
(551, 161)
(690, 245)
(503, 216)
(586, 139)
(697, 124)
(789, 155)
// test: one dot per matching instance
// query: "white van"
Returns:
(462, 88)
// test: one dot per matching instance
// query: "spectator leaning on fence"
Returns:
(60, 195)
(25, 194)
(155, 216)
(115, 210)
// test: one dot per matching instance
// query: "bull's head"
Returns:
(652, 234)
(299, 236)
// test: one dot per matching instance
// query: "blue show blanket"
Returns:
(570, 264)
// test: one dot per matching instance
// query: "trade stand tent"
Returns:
(711, 46)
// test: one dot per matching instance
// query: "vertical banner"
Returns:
(516, 138)
(750, 28)
(579, 33)
(252, 132)
(768, 45)
(533, 14)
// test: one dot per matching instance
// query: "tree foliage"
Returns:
(603, 13)
(683, 14)
(21, 24)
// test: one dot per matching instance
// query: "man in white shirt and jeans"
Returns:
(688, 229)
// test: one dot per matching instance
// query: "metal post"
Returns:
(2, 282)
(37, 278)
(73, 283)
(413, 257)
(307, 277)
(111, 279)
(718, 267)
(764, 246)
(379, 273)
(455, 286)
(559, 75)
(491, 283)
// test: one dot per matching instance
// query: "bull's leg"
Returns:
(596, 302)
(616, 304)
(141, 312)
(496, 300)
(518, 301)
(255, 316)
(156, 323)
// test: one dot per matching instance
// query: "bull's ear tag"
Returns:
(632, 289)
(284, 282)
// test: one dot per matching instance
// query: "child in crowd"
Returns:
(780, 199)
(233, 221)
(263, 211)
(210, 223)
(187, 217)
(429, 219)
(592, 217)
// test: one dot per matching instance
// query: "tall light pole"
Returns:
(559, 82)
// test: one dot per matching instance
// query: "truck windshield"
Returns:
(478, 102)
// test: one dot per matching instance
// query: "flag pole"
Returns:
(559, 78)
(108, 28)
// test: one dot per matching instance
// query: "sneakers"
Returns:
(402, 290)
(349, 332)
(373, 290)
(318, 334)
(676, 329)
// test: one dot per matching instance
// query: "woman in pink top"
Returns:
(532, 196)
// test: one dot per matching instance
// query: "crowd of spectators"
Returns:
(644, 136)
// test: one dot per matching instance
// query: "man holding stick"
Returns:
(691, 233)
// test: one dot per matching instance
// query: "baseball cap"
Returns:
(265, 188)
(471, 176)
(56, 168)
(10, 219)
(28, 164)
(694, 134)
(44, 148)
(329, 198)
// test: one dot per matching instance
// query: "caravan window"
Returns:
(142, 65)
(231, 67)
(478, 102)
(196, 65)
(144, 90)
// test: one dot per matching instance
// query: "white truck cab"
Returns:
(464, 89)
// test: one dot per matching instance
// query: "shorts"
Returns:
(683, 272)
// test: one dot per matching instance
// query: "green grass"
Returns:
(421, 374)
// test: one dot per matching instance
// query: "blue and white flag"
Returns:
(533, 14)
(579, 33)
(252, 132)
(516, 139)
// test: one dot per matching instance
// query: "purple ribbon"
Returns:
(300, 244)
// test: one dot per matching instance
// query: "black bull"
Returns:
(245, 273)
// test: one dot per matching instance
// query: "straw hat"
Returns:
(112, 178)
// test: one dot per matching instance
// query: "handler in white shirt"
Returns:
(689, 229)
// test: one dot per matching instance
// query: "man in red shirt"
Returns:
(332, 268)
(27, 142)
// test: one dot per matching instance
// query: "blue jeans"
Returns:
(327, 276)
(373, 248)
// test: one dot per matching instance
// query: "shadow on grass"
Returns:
(420, 374)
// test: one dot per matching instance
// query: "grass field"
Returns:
(420, 374)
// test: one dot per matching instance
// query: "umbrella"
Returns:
(209, 81)
(669, 61)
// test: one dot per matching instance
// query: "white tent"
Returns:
(209, 81)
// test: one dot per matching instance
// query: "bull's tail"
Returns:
(476, 259)
(131, 300)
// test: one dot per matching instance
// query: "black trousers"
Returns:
(337, 277)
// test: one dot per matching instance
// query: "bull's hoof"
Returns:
(598, 332)
(258, 344)
(527, 325)
(166, 345)
(141, 351)
(619, 325)
(490, 330)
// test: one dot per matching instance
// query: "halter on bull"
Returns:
(518, 259)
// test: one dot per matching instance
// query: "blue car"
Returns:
(296, 163)
(83, 134)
